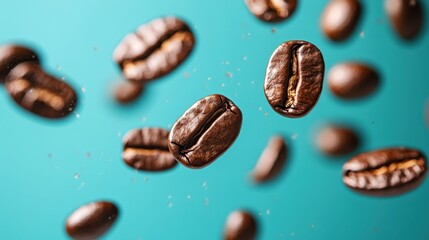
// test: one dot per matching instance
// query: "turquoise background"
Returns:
(49, 168)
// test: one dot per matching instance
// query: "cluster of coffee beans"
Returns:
(293, 84)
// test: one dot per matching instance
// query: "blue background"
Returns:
(49, 168)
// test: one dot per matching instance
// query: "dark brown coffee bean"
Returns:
(294, 78)
(240, 225)
(272, 160)
(147, 149)
(127, 92)
(92, 220)
(340, 18)
(40, 93)
(156, 49)
(337, 140)
(353, 80)
(12, 55)
(271, 10)
(406, 17)
(385, 172)
(205, 131)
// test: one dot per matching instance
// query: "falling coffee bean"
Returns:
(385, 172)
(272, 160)
(406, 17)
(12, 55)
(92, 220)
(127, 92)
(340, 18)
(271, 10)
(40, 93)
(352, 80)
(205, 131)
(155, 49)
(337, 140)
(147, 149)
(294, 78)
(240, 225)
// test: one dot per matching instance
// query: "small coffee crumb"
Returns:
(229, 74)
(273, 30)
(76, 176)
(88, 154)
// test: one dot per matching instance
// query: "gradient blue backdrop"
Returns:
(49, 168)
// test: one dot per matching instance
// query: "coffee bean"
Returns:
(294, 78)
(337, 140)
(385, 172)
(155, 49)
(127, 92)
(272, 160)
(205, 131)
(40, 93)
(271, 10)
(406, 17)
(12, 55)
(240, 225)
(147, 149)
(92, 220)
(340, 18)
(352, 80)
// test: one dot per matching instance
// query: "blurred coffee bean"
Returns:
(340, 18)
(337, 140)
(240, 225)
(406, 17)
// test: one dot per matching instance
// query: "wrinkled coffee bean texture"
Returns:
(340, 18)
(155, 49)
(294, 78)
(385, 171)
(271, 161)
(92, 220)
(240, 225)
(205, 131)
(272, 10)
(406, 17)
(147, 149)
(39, 92)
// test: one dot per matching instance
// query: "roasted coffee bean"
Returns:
(40, 93)
(353, 80)
(272, 160)
(340, 18)
(12, 55)
(294, 78)
(127, 92)
(406, 17)
(386, 171)
(92, 220)
(337, 140)
(205, 131)
(240, 225)
(155, 49)
(271, 10)
(147, 149)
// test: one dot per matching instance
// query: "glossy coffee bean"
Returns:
(340, 18)
(352, 80)
(39, 92)
(271, 10)
(294, 78)
(155, 49)
(240, 225)
(406, 17)
(127, 92)
(272, 160)
(337, 140)
(92, 220)
(385, 172)
(205, 131)
(12, 55)
(147, 149)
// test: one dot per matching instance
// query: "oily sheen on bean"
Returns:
(205, 131)
(406, 17)
(92, 220)
(155, 49)
(294, 78)
(386, 172)
(272, 10)
(147, 149)
(240, 225)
